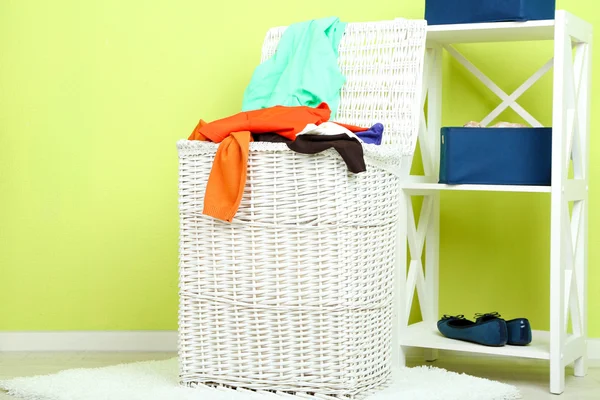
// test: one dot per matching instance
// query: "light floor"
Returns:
(531, 376)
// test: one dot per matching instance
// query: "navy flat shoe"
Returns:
(518, 329)
(488, 332)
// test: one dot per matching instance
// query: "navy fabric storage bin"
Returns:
(440, 12)
(496, 156)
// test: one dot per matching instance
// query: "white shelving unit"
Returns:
(568, 232)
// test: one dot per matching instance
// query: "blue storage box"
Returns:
(496, 156)
(440, 12)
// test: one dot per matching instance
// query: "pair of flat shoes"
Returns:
(488, 329)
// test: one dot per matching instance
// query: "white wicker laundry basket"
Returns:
(296, 294)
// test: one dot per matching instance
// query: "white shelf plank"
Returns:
(491, 32)
(423, 187)
(424, 336)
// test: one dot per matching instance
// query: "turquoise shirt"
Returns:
(303, 71)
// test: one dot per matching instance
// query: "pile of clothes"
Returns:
(291, 99)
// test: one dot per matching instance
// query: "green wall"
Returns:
(94, 95)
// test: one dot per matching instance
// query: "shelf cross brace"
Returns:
(569, 221)
(507, 100)
(416, 278)
(573, 221)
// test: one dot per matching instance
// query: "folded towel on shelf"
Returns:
(475, 124)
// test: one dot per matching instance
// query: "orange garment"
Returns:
(227, 178)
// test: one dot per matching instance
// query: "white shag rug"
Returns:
(157, 380)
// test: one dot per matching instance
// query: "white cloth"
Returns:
(327, 128)
(475, 124)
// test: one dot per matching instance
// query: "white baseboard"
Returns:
(593, 349)
(141, 341)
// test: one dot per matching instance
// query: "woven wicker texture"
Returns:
(383, 65)
(295, 295)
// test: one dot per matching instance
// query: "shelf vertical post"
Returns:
(432, 238)
(400, 316)
(582, 95)
(562, 55)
